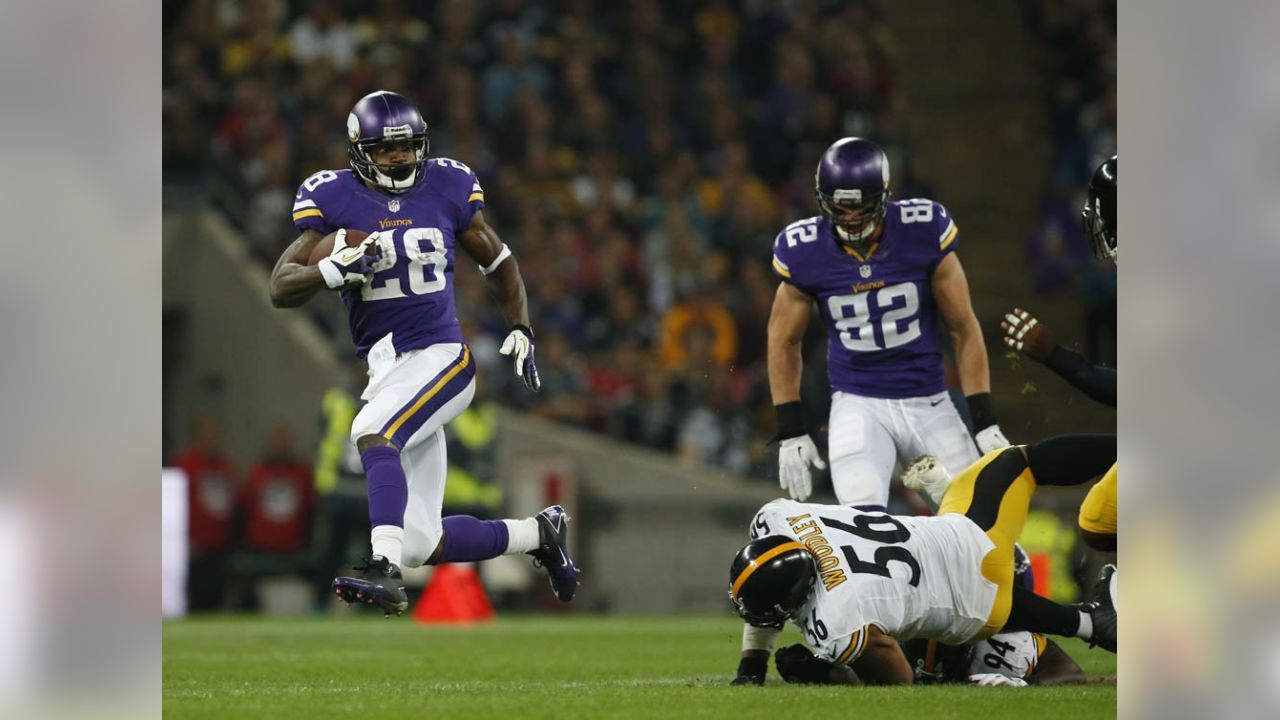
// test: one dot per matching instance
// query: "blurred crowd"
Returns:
(638, 157)
(1075, 53)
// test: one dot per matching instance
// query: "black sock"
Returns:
(1071, 459)
(1040, 614)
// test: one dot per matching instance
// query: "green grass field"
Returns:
(538, 666)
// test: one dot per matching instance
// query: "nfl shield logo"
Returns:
(394, 206)
(864, 271)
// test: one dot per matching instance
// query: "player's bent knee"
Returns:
(364, 442)
(434, 558)
(422, 547)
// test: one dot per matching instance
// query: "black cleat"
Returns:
(553, 552)
(379, 584)
(1102, 610)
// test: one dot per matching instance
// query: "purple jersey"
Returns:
(882, 322)
(410, 294)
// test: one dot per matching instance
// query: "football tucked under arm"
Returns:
(353, 238)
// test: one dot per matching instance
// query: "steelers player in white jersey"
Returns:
(856, 583)
(1016, 658)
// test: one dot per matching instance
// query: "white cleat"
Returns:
(925, 474)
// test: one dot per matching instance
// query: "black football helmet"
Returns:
(770, 579)
(1100, 211)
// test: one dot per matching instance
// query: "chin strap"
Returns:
(395, 186)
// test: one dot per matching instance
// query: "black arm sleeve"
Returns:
(1095, 381)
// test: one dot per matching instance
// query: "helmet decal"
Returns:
(399, 131)
(353, 127)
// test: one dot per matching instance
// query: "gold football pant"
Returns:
(995, 493)
(1097, 520)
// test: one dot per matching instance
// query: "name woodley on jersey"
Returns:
(808, 533)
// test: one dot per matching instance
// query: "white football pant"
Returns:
(868, 436)
(411, 398)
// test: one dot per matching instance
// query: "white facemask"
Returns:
(850, 237)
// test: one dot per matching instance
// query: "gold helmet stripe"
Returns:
(764, 558)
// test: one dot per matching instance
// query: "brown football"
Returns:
(325, 246)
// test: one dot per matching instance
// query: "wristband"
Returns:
(980, 411)
(754, 665)
(502, 255)
(790, 420)
(524, 329)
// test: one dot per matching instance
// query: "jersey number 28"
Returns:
(427, 261)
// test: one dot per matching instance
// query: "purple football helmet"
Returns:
(383, 119)
(853, 188)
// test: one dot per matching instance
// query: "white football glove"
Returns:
(1023, 332)
(994, 679)
(1016, 325)
(795, 455)
(519, 346)
(925, 474)
(990, 438)
(347, 265)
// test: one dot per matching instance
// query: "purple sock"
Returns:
(467, 539)
(388, 489)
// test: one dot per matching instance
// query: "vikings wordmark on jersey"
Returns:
(409, 296)
(882, 321)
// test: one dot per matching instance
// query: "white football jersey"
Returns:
(1012, 654)
(909, 576)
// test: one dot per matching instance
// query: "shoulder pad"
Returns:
(797, 234)
(790, 244)
(929, 218)
(315, 196)
(460, 181)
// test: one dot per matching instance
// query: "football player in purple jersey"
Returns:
(882, 271)
(417, 211)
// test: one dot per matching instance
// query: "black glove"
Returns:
(797, 665)
(752, 669)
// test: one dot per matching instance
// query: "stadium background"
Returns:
(639, 159)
